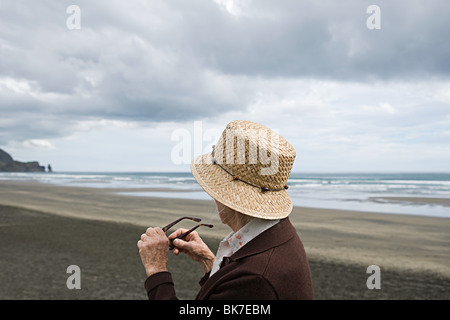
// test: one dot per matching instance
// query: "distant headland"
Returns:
(8, 164)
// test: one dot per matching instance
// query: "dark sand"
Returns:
(37, 247)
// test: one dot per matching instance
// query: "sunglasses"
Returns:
(181, 236)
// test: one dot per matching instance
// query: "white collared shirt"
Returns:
(236, 240)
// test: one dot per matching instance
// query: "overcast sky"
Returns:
(116, 94)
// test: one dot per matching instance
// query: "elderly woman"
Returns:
(263, 257)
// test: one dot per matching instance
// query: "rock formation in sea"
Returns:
(8, 164)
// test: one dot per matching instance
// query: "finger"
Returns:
(159, 231)
(182, 245)
(177, 233)
(193, 236)
(150, 231)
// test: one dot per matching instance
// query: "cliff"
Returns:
(8, 164)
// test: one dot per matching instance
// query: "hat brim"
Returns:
(238, 195)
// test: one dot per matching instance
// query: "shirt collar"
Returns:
(236, 240)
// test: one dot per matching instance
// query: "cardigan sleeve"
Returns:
(159, 286)
(245, 287)
(204, 278)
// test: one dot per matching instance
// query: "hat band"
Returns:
(264, 189)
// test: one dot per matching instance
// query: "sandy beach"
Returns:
(45, 228)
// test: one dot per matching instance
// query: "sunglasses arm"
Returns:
(181, 236)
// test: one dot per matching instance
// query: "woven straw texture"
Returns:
(255, 154)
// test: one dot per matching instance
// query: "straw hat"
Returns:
(247, 170)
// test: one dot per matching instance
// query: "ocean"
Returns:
(352, 191)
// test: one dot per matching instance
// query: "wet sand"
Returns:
(414, 200)
(46, 228)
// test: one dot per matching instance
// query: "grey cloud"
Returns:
(179, 60)
(113, 68)
(325, 39)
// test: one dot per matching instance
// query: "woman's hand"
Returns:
(153, 249)
(194, 247)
